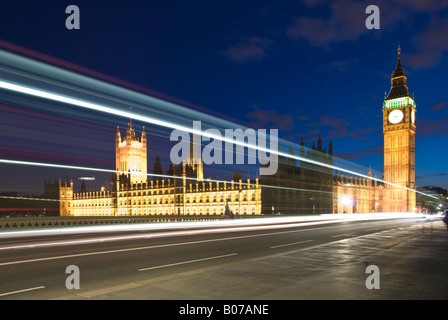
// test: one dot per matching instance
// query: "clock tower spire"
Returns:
(399, 87)
(399, 143)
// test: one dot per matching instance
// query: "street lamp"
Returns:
(346, 201)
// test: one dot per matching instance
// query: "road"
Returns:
(314, 258)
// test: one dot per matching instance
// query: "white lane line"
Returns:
(291, 244)
(341, 235)
(189, 261)
(20, 291)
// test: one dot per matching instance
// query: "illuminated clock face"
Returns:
(395, 116)
(413, 116)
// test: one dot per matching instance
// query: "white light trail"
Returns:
(162, 123)
(63, 166)
(194, 228)
(27, 198)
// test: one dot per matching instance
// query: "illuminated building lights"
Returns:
(146, 119)
(346, 201)
(398, 102)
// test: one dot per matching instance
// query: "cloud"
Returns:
(338, 128)
(432, 128)
(377, 150)
(346, 22)
(360, 111)
(344, 65)
(431, 45)
(438, 106)
(270, 119)
(338, 133)
(423, 59)
(359, 134)
(418, 6)
(332, 121)
(349, 155)
(303, 117)
(248, 49)
(440, 174)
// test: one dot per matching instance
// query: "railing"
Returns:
(51, 222)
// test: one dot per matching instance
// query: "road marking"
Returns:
(189, 261)
(341, 235)
(290, 244)
(20, 291)
(109, 290)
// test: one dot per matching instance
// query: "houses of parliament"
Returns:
(186, 192)
(298, 187)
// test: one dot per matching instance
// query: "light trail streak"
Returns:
(146, 119)
(27, 198)
(62, 166)
(194, 228)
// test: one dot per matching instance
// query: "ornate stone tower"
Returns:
(65, 198)
(195, 160)
(399, 144)
(131, 155)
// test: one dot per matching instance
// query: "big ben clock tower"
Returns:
(399, 144)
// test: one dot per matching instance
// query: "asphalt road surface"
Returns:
(313, 258)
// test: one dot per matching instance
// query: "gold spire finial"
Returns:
(399, 50)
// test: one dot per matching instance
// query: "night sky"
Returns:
(308, 68)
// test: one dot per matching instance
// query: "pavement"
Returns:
(412, 263)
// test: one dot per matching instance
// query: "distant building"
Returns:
(354, 194)
(296, 188)
(186, 193)
(399, 128)
(301, 187)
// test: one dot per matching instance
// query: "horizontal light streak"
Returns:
(134, 237)
(63, 166)
(28, 198)
(257, 222)
(187, 233)
(171, 125)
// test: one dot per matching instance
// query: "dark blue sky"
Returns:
(308, 68)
